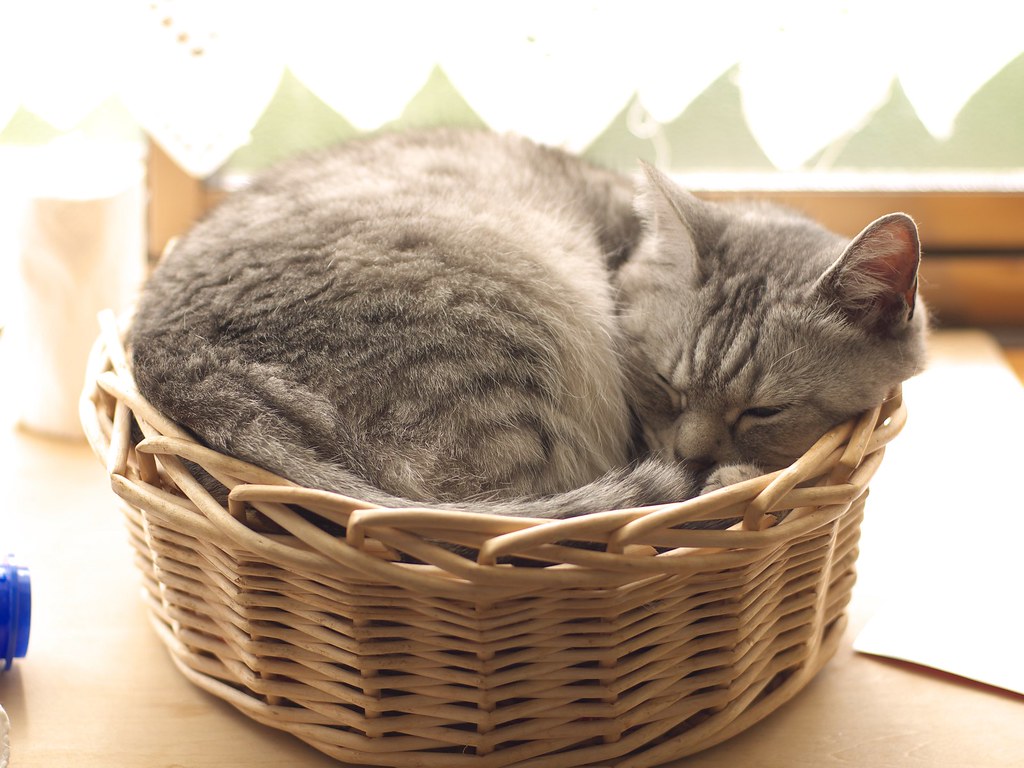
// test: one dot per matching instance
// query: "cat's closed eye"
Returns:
(763, 411)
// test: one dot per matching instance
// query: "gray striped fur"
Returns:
(460, 318)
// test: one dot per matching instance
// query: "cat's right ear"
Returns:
(874, 282)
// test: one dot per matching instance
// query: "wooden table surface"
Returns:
(98, 690)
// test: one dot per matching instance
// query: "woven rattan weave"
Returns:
(357, 630)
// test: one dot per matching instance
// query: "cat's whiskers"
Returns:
(783, 357)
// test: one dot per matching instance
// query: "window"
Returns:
(846, 110)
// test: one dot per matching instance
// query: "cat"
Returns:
(469, 320)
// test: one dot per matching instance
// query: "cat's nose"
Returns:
(701, 441)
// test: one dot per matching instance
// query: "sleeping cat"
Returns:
(461, 319)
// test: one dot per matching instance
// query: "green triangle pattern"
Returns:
(26, 128)
(111, 121)
(437, 103)
(894, 138)
(296, 120)
(712, 132)
(618, 147)
(989, 131)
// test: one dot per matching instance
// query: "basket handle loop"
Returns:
(857, 446)
(808, 465)
(856, 433)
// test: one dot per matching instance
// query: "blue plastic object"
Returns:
(15, 612)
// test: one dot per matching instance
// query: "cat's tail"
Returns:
(648, 482)
(651, 481)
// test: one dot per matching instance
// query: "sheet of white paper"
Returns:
(947, 563)
(969, 629)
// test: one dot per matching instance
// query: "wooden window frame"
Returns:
(972, 230)
(972, 226)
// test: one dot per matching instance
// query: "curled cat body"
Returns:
(469, 320)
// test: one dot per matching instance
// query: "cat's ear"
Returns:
(673, 213)
(874, 282)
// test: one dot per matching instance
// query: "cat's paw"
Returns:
(730, 474)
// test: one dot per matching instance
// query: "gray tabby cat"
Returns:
(463, 319)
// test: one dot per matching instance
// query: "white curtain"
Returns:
(197, 74)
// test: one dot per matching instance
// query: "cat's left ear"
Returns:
(874, 282)
(672, 211)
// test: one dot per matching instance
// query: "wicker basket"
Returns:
(661, 642)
